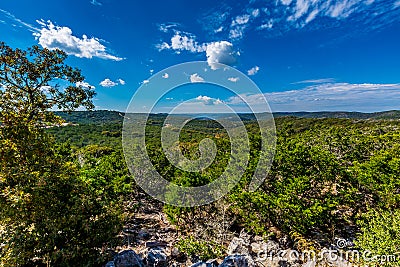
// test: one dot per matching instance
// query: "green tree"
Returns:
(48, 214)
(34, 81)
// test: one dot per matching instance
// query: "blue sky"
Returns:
(304, 55)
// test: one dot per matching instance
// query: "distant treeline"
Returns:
(106, 116)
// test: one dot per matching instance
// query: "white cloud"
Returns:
(165, 76)
(301, 8)
(121, 82)
(218, 101)
(324, 80)
(169, 98)
(85, 85)
(220, 53)
(108, 83)
(216, 52)
(196, 78)
(203, 98)
(286, 2)
(17, 20)
(342, 9)
(240, 20)
(267, 25)
(165, 27)
(253, 71)
(145, 81)
(56, 37)
(312, 15)
(220, 29)
(237, 32)
(364, 97)
(181, 42)
(96, 3)
(209, 101)
(233, 79)
(255, 13)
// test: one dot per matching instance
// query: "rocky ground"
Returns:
(148, 239)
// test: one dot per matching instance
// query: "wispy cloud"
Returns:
(96, 3)
(14, 19)
(56, 37)
(166, 27)
(364, 97)
(324, 80)
(274, 18)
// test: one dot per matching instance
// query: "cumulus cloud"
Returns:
(121, 82)
(220, 53)
(208, 100)
(84, 85)
(233, 79)
(196, 78)
(108, 83)
(145, 81)
(56, 37)
(165, 76)
(253, 71)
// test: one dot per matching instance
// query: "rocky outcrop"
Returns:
(127, 258)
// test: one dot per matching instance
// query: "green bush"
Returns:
(380, 235)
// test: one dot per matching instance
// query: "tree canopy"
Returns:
(34, 81)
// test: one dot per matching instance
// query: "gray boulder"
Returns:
(127, 258)
(238, 261)
(156, 257)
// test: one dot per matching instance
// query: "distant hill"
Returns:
(105, 116)
(92, 117)
(393, 114)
